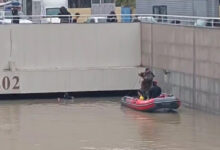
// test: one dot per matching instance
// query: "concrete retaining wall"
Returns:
(186, 62)
(76, 46)
(69, 57)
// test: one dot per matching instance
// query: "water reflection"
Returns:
(149, 125)
(9, 125)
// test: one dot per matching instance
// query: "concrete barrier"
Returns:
(185, 60)
(69, 57)
(76, 46)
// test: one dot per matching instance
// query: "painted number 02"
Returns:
(12, 83)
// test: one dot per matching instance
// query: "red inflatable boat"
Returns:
(163, 102)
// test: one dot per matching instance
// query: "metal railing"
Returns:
(105, 18)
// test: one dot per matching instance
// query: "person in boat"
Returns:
(147, 75)
(146, 83)
(154, 91)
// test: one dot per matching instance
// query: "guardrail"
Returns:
(121, 18)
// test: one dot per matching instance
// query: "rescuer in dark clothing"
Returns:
(146, 84)
(155, 91)
(65, 16)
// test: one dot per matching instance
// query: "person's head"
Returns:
(112, 13)
(77, 15)
(154, 83)
(147, 69)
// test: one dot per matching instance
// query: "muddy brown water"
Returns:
(102, 124)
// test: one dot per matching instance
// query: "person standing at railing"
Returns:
(77, 15)
(112, 17)
(15, 20)
(135, 19)
(65, 16)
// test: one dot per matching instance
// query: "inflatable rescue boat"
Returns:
(164, 101)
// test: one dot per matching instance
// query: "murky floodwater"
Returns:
(102, 124)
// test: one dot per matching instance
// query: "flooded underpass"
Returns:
(102, 124)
